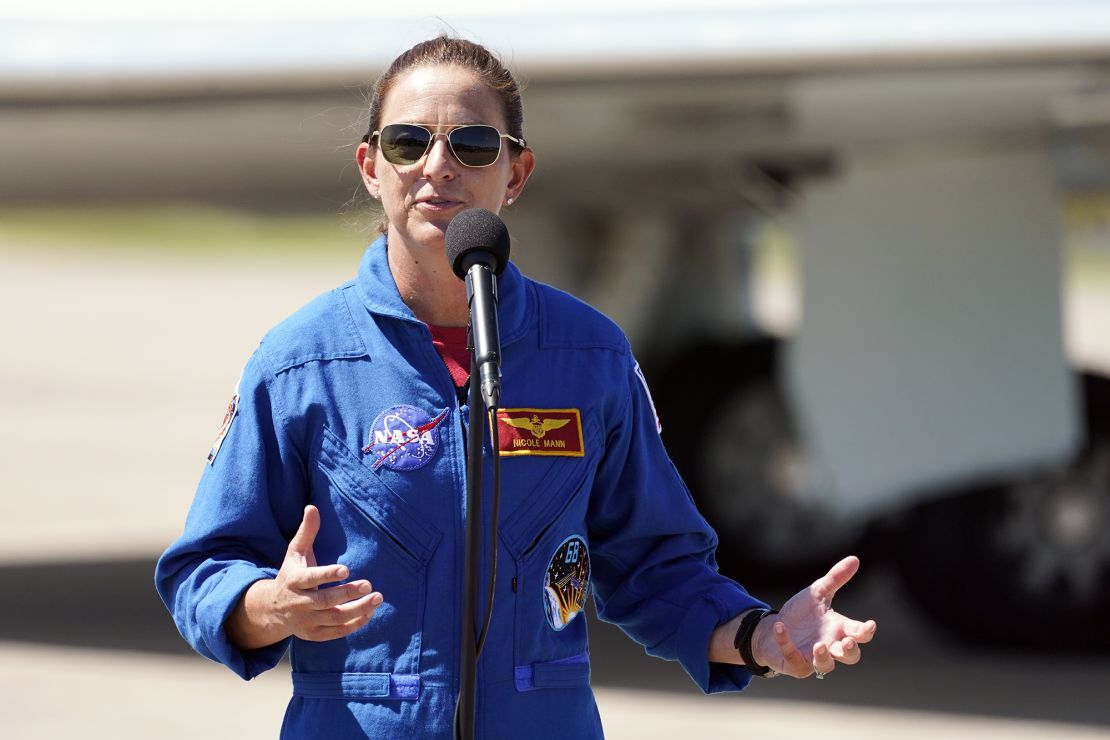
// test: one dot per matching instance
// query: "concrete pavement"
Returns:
(53, 692)
(117, 370)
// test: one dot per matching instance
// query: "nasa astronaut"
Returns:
(328, 523)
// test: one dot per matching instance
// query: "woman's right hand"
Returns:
(295, 604)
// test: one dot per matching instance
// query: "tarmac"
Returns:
(116, 373)
(64, 692)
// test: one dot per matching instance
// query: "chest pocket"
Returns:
(385, 541)
(548, 487)
(553, 509)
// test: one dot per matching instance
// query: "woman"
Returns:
(341, 464)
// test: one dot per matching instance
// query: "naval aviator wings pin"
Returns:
(540, 432)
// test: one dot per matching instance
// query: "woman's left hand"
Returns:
(807, 636)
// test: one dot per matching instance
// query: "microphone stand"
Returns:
(468, 657)
(472, 639)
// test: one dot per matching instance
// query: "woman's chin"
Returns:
(426, 234)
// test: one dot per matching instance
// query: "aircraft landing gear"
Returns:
(738, 451)
(1023, 563)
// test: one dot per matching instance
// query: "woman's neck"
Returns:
(427, 284)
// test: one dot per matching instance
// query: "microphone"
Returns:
(478, 250)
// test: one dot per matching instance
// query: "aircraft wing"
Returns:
(787, 84)
(663, 124)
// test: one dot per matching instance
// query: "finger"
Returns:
(794, 663)
(306, 579)
(347, 612)
(301, 544)
(362, 608)
(845, 651)
(828, 584)
(336, 595)
(323, 634)
(823, 661)
(345, 619)
(861, 631)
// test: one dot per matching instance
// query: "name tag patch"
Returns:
(540, 432)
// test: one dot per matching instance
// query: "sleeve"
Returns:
(653, 560)
(247, 506)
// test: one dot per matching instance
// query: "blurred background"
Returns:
(862, 251)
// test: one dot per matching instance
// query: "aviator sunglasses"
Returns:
(476, 145)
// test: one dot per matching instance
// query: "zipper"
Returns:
(460, 401)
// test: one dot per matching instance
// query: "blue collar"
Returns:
(516, 304)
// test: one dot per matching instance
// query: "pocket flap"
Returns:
(381, 503)
(356, 685)
(551, 496)
(567, 673)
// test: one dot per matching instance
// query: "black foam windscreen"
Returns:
(477, 230)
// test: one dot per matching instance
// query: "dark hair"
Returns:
(444, 50)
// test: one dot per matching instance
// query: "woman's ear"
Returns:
(366, 168)
(522, 166)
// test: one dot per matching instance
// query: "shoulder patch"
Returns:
(225, 425)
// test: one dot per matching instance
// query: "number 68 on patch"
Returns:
(566, 582)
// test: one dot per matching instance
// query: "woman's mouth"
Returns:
(436, 204)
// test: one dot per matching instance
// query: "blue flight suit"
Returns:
(347, 405)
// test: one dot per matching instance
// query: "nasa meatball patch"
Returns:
(404, 438)
(566, 582)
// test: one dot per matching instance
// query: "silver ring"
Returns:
(819, 675)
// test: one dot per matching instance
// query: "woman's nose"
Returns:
(440, 161)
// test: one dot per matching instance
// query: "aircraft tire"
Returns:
(1025, 563)
(737, 448)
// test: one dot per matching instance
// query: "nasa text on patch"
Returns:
(404, 438)
(540, 432)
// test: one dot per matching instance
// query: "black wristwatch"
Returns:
(743, 642)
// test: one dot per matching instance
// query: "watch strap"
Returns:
(743, 641)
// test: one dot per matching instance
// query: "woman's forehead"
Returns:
(441, 94)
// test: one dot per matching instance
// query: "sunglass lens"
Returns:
(403, 144)
(476, 146)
